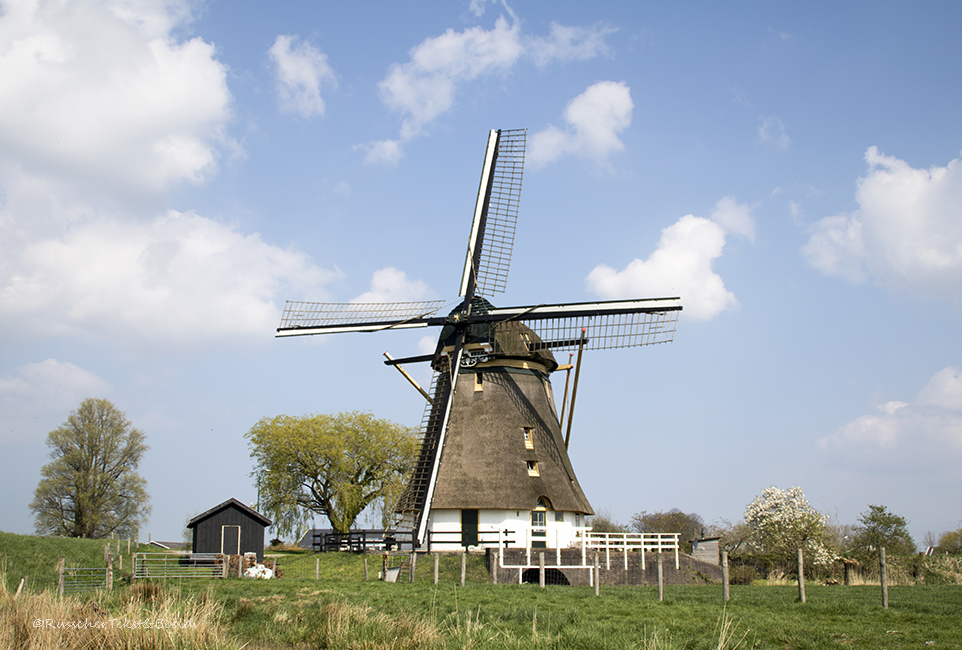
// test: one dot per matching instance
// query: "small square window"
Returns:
(528, 438)
(559, 516)
(538, 518)
(533, 468)
(478, 381)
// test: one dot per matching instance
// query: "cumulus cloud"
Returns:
(178, 278)
(301, 71)
(595, 119)
(682, 263)
(906, 233)
(392, 285)
(100, 100)
(932, 421)
(100, 92)
(426, 86)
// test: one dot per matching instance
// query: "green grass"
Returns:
(35, 558)
(291, 612)
(341, 610)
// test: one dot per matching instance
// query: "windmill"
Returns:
(492, 453)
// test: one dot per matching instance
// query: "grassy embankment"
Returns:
(342, 611)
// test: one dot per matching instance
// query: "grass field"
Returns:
(341, 610)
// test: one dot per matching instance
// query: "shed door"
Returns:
(230, 540)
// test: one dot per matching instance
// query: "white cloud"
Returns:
(932, 422)
(772, 132)
(906, 233)
(944, 390)
(102, 110)
(426, 86)
(682, 264)
(178, 278)
(595, 119)
(101, 93)
(40, 390)
(383, 152)
(391, 285)
(301, 71)
(567, 43)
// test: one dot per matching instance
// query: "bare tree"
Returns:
(689, 526)
(91, 488)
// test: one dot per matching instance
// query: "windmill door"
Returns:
(469, 528)
(230, 540)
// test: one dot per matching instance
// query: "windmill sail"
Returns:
(304, 318)
(495, 215)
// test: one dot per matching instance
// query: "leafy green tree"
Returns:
(878, 527)
(332, 465)
(951, 542)
(688, 526)
(783, 521)
(91, 488)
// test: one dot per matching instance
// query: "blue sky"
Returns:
(172, 172)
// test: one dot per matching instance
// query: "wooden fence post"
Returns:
(801, 576)
(110, 573)
(497, 566)
(60, 577)
(365, 569)
(436, 562)
(541, 569)
(106, 551)
(464, 565)
(882, 577)
(725, 588)
(317, 568)
(414, 563)
(597, 575)
(661, 577)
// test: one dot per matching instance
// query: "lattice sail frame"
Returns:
(502, 215)
(299, 315)
(604, 331)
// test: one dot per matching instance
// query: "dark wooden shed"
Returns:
(230, 528)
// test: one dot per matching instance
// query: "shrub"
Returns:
(744, 574)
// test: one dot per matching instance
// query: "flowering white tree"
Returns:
(783, 521)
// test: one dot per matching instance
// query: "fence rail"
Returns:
(168, 565)
(625, 542)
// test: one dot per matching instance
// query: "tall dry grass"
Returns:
(143, 619)
(348, 625)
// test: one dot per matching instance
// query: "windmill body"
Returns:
(504, 465)
(493, 467)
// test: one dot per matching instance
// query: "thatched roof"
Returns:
(484, 463)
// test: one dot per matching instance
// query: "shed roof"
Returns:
(253, 514)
